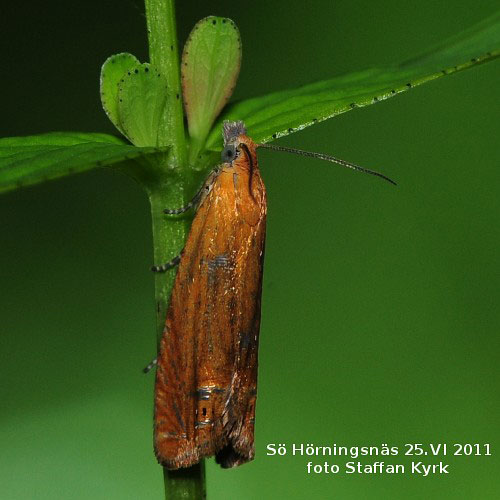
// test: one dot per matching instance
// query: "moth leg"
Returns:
(185, 208)
(150, 365)
(168, 265)
(203, 191)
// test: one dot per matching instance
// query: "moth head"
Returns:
(229, 153)
(231, 132)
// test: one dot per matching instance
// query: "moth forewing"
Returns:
(206, 381)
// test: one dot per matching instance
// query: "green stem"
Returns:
(168, 240)
(164, 54)
(186, 483)
(168, 189)
(169, 234)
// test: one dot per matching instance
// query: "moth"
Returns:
(206, 378)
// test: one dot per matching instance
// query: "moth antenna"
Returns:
(322, 156)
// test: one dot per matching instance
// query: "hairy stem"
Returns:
(168, 190)
(186, 483)
(169, 234)
(164, 54)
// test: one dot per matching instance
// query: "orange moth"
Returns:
(206, 378)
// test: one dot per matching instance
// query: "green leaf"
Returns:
(211, 63)
(142, 97)
(112, 71)
(37, 158)
(133, 96)
(282, 113)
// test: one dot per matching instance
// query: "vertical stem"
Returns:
(168, 241)
(169, 236)
(164, 54)
(186, 483)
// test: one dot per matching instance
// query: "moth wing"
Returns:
(207, 368)
(239, 413)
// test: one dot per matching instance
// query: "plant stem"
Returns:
(168, 190)
(164, 54)
(186, 483)
(168, 240)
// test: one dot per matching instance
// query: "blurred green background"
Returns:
(380, 304)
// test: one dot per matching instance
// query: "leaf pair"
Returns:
(134, 96)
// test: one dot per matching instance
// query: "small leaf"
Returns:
(210, 66)
(112, 72)
(37, 158)
(142, 97)
(282, 113)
